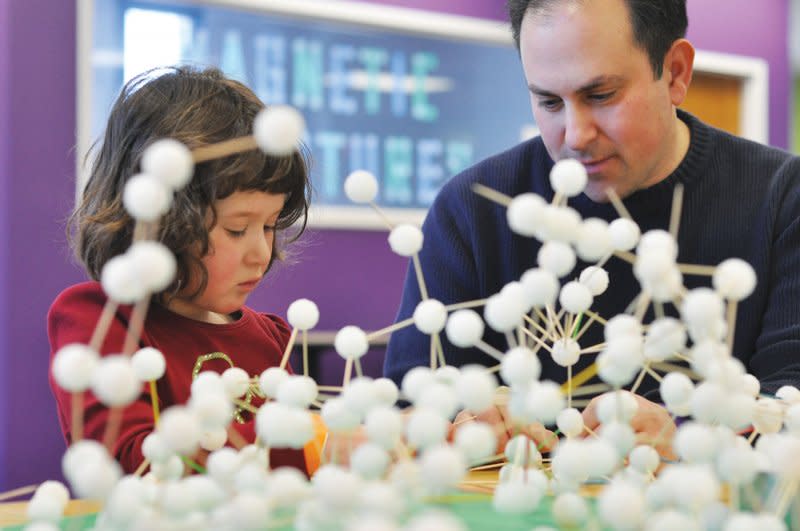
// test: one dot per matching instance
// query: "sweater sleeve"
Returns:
(72, 319)
(776, 360)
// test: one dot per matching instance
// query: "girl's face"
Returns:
(240, 250)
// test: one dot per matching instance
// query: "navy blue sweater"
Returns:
(741, 199)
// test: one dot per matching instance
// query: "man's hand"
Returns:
(652, 424)
(499, 419)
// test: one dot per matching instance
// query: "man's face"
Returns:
(595, 98)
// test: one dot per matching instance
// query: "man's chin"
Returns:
(597, 192)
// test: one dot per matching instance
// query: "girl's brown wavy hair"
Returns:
(197, 107)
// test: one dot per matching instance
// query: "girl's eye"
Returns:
(235, 233)
(269, 228)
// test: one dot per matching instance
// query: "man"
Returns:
(605, 78)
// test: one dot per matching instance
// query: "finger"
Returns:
(589, 414)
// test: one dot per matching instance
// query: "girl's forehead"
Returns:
(249, 204)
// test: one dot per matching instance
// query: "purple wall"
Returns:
(4, 227)
(352, 276)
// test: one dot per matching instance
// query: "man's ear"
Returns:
(678, 65)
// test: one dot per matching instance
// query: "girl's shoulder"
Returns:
(269, 322)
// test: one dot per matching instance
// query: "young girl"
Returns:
(224, 228)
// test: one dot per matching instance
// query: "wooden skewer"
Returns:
(420, 278)
(288, 350)
(677, 206)
(16, 493)
(389, 329)
(617, 202)
(491, 194)
(464, 305)
(224, 148)
(382, 215)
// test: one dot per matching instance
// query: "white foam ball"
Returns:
(620, 406)
(789, 394)
(575, 297)
(502, 313)
(475, 388)
(406, 240)
(737, 465)
(236, 381)
(155, 449)
(520, 367)
(351, 342)
(416, 380)
(442, 467)
(208, 382)
(704, 353)
(594, 240)
(568, 177)
(566, 352)
(213, 439)
(525, 214)
(149, 364)
(80, 453)
(170, 161)
(180, 430)
(286, 487)
(676, 388)
(385, 392)
(73, 366)
(544, 402)
(561, 223)
(620, 435)
(665, 337)
(271, 379)
(621, 506)
(336, 486)
(516, 497)
(476, 440)
(701, 307)
(303, 314)
(734, 279)
(153, 263)
(96, 479)
(359, 395)
(278, 129)
(596, 279)
(447, 374)
(556, 257)
(282, 426)
(750, 385)
(540, 286)
(658, 242)
(784, 455)
(622, 325)
(707, 402)
(425, 428)
(146, 198)
(522, 451)
(464, 328)
(695, 443)
(384, 426)
(670, 520)
(114, 381)
(571, 460)
(570, 422)
(338, 417)
(792, 419)
(430, 316)
(120, 281)
(439, 397)
(624, 234)
(768, 416)
(297, 391)
(369, 460)
(644, 459)
(361, 186)
(570, 510)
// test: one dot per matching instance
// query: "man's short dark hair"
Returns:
(656, 23)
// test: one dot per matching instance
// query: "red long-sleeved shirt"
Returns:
(253, 342)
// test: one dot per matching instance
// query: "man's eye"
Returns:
(603, 96)
(550, 105)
